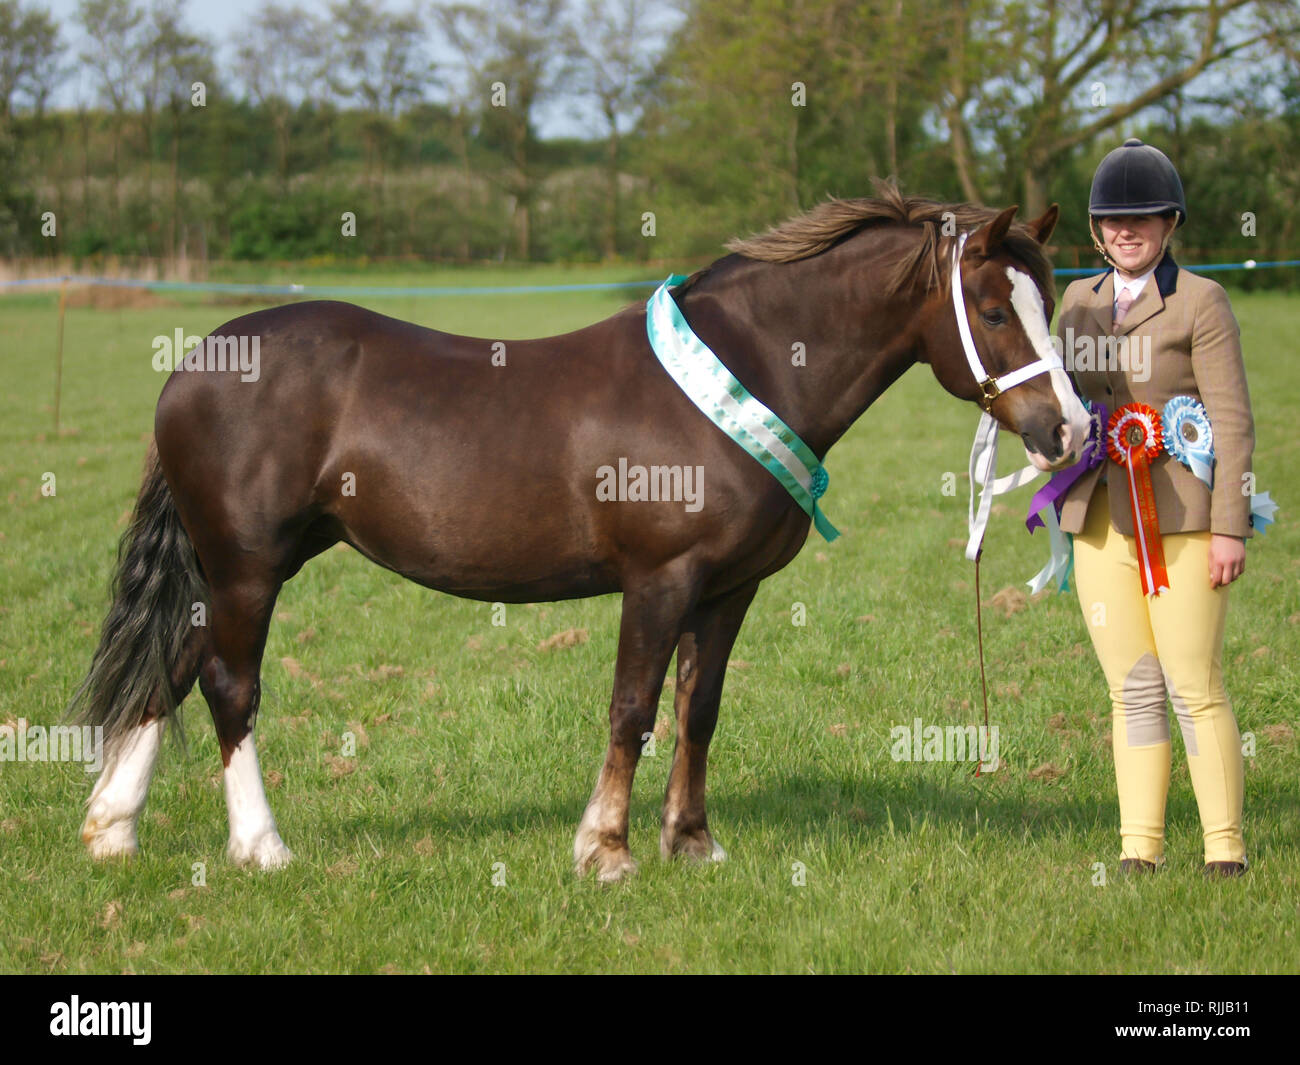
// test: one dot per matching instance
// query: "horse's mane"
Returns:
(816, 230)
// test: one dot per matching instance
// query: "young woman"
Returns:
(1158, 332)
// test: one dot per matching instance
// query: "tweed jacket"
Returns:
(1178, 338)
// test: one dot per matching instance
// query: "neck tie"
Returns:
(1122, 305)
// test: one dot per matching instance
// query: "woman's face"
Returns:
(1134, 240)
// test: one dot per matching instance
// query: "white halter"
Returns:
(990, 387)
(984, 451)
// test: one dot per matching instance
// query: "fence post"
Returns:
(58, 353)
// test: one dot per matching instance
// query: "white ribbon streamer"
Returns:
(984, 450)
(1058, 564)
(983, 464)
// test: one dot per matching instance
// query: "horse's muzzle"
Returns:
(1052, 450)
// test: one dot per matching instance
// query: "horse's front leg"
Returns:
(653, 612)
(707, 639)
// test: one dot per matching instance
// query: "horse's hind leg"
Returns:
(231, 683)
(119, 795)
(652, 622)
(707, 639)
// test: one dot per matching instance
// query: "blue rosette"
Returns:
(1188, 436)
(1189, 439)
(1263, 512)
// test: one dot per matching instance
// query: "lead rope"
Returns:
(984, 688)
(984, 451)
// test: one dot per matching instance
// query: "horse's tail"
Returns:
(148, 648)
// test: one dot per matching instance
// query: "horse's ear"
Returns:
(985, 241)
(1042, 227)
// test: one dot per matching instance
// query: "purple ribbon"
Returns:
(1092, 456)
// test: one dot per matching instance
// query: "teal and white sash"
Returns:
(727, 403)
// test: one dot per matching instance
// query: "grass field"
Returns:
(444, 842)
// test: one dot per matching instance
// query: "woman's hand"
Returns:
(1227, 559)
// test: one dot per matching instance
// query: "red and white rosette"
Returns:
(1134, 438)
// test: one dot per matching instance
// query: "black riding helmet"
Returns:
(1136, 179)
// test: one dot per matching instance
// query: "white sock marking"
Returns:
(254, 838)
(119, 794)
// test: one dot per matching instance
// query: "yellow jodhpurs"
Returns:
(1172, 643)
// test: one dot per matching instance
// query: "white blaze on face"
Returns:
(1027, 302)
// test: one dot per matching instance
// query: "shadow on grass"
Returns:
(813, 808)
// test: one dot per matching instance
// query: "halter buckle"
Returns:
(989, 391)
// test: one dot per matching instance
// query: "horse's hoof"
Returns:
(113, 839)
(266, 852)
(611, 864)
(615, 866)
(695, 846)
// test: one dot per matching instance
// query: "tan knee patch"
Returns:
(1146, 722)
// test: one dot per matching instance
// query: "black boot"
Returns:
(1217, 870)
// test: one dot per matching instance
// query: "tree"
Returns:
(1074, 70)
(510, 53)
(613, 49)
(174, 60)
(378, 62)
(112, 53)
(763, 110)
(960, 65)
(282, 61)
(727, 115)
(29, 70)
(29, 51)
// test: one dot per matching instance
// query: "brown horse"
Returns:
(472, 468)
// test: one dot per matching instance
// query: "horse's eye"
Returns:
(994, 317)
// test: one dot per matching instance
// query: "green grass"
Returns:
(480, 749)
